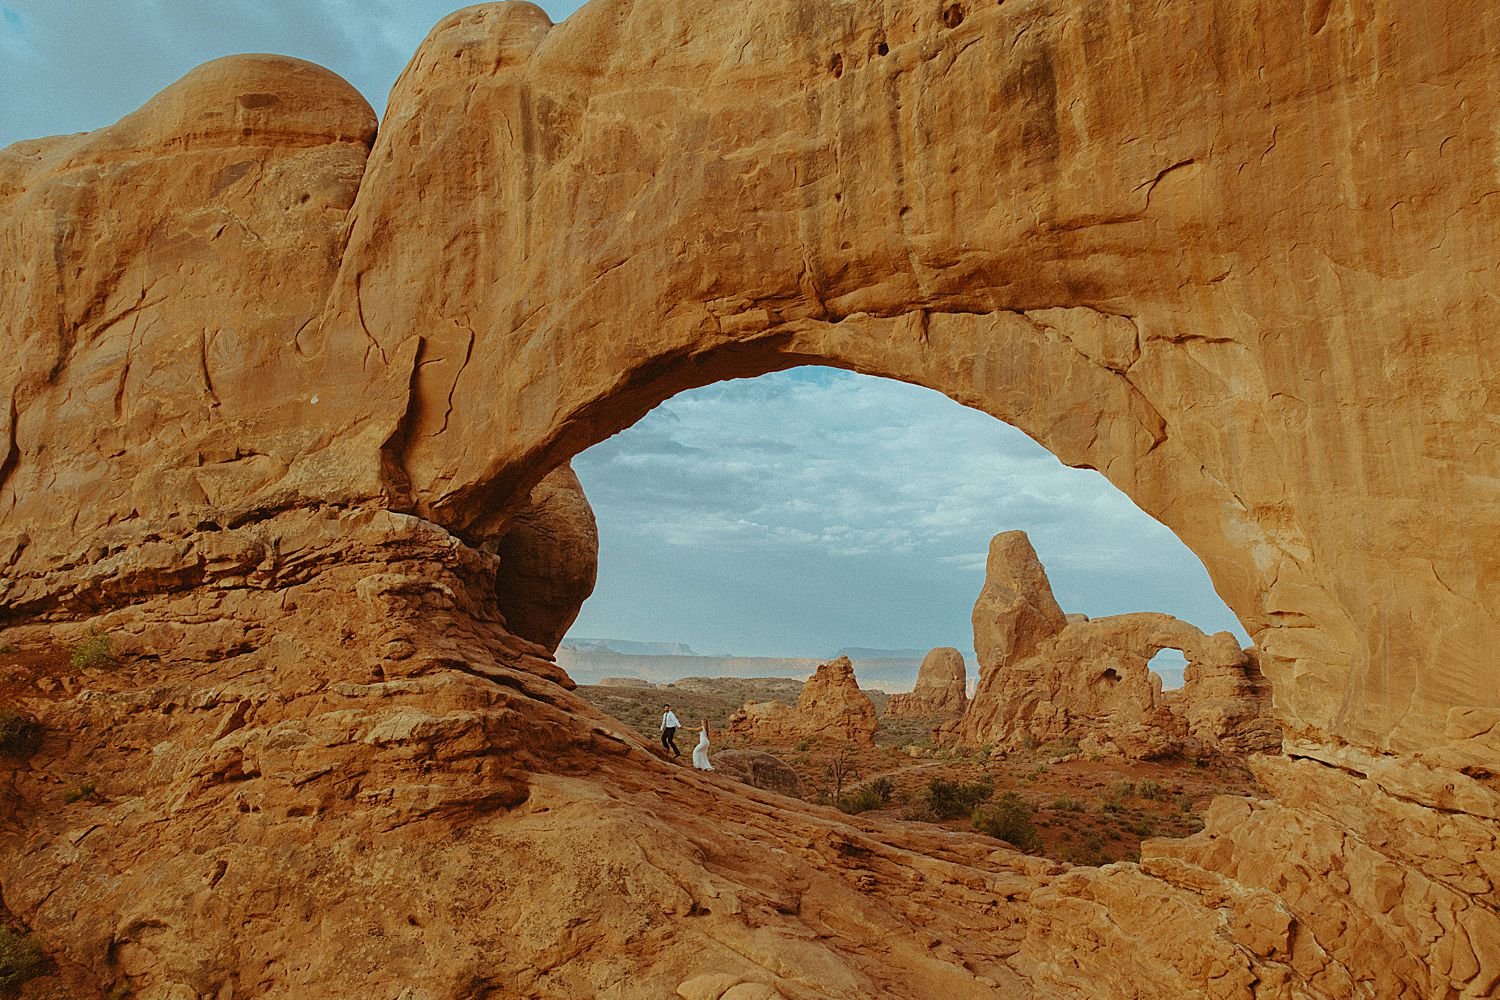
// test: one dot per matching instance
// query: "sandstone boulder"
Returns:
(549, 559)
(761, 769)
(831, 707)
(941, 690)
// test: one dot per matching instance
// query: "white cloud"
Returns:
(870, 499)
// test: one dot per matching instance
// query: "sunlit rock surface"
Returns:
(275, 387)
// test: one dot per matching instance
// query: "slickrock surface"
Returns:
(831, 707)
(941, 690)
(761, 769)
(1045, 676)
(274, 388)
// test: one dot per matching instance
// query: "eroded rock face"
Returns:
(761, 769)
(549, 560)
(831, 707)
(941, 690)
(1015, 612)
(1048, 677)
(268, 395)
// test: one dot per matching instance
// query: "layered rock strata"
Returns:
(941, 689)
(830, 707)
(275, 388)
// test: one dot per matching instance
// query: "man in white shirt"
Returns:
(669, 725)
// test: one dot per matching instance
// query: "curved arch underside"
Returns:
(1237, 257)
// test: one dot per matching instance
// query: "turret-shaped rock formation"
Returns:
(1049, 676)
(831, 706)
(941, 687)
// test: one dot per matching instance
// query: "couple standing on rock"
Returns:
(669, 727)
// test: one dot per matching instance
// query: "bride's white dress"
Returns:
(700, 752)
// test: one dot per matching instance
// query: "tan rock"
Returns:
(941, 689)
(761, 769)
(261, 408)
(1089, 681)
(831, 707)
(1015, 611)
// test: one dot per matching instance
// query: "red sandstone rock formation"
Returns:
(1045, 676)
(274, 388)
(831, 707)
(942, 683)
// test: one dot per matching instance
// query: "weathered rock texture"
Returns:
(941, 690)
(831, 707)
(761, 769)
(273, 388)
(1048, 676)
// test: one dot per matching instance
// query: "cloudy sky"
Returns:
(799, 512)
(786, 516)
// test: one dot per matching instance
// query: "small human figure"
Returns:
(700, 752)
(669, 726)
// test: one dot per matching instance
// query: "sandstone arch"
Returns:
(266, 366)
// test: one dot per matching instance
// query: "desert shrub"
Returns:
(1009, 818)
(1088, 851)
(1143, 828)
(1114, 806)
(1067, 803)
(1122, 789)
(952, 799)
(862, 800)
(1149, 789)
(1185, 803)
(5, 648)
(87, 791)
(20, 960)
(18, 733)
(884, 787)
(92, 652)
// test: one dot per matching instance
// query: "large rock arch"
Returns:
(277, 385)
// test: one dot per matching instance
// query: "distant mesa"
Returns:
(628, 648)
(625, 682)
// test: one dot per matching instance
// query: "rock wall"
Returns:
(941, 690)
(276, 386)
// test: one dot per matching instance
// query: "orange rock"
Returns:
(831, 707)
(271, 396)
(941, 690)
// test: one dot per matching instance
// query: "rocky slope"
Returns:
(277, 389)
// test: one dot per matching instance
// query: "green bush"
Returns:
(1122, 790)
(1067, 803)
(884, 787)
(1149, 789)
(18, 733)
(861, 801)
(92, 652)
(20, 960)
(1114, 806)
(1009, 819)
(1090, 851)
(86, 791)
(952, 799)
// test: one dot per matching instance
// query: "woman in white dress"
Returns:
(700, 752)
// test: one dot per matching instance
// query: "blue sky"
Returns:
(803, 511)
(788, 515)
(74, 65)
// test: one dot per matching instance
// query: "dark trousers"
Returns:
(669, 740)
